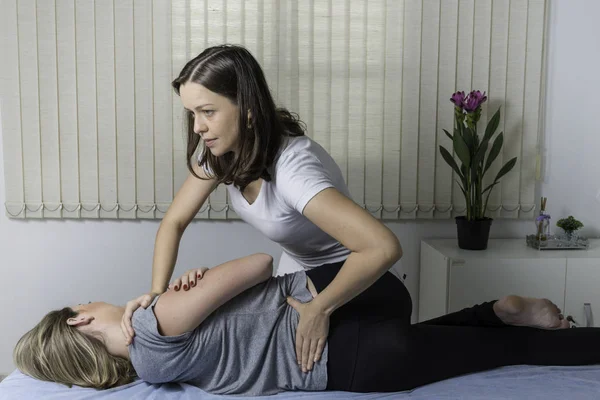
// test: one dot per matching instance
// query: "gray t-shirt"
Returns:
(246, 347)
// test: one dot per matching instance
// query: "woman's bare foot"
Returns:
(527, 311)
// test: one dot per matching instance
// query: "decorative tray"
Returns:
(555, 242)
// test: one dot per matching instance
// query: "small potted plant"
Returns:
(570, 225)
(474, 161)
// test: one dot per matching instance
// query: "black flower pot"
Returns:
(473, 235)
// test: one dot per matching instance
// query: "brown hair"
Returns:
(233, 72)
(56, 352)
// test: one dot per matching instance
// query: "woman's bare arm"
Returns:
(185, 206)
(181, 311)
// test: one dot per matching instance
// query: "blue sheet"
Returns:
(517, 382)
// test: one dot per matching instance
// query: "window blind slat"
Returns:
(30, 112)
(11, 106)
(48, 87)
(125, 109)
(162, 107)
(284, 47)
(306, 65)
(340, 87)
(320, 38)
(410, 108)
(105, 78)
(179, 25)
(198, 39)
(513, 121)
(375, 75)
(428, 107)
(67, 108)
(464, 76)
(497, 93)
(87, 118)
(270, 43)
(531, 107)
(144, 120)
(234, 21)
(356, 105)
(448, 36)
(392, 104)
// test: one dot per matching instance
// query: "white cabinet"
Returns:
(452, 278)
(480, 280)
(583, 290)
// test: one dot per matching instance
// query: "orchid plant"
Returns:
(475, 160)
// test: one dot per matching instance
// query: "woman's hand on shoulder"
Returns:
(143, 301)
(188, 279)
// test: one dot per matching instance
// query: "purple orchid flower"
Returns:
(458, 98)
(474, 100)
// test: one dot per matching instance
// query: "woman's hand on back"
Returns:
(311, 333)
(143, 301)
(188, 279)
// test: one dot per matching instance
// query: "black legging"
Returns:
(374, 348)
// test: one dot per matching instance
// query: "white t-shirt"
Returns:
(301, 170)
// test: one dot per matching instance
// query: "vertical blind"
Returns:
(92, 129)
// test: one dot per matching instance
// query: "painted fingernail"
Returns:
(185, 287)
(176, 287)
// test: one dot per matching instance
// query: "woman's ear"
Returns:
(80, 320)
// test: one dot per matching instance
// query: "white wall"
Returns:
(49, 264)
(572, 176)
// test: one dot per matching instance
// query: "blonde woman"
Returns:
(233, 333)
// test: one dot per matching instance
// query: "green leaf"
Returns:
(448, 134)
(492, 126)
(503, 171)
(473, 174)
(480, 155)
(461, 188)
(450, 160)
(468, 136)
(476, 144)
(506, 168)
(463, 169)
(494, 152)
(489, 187)
(461, 150)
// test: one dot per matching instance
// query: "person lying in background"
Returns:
(232, 332)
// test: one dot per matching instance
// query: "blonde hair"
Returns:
(56, 352)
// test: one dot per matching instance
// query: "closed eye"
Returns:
(208, 113)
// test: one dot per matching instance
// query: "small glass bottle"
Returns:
(542, 223)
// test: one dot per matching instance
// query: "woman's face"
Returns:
(215, 118)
